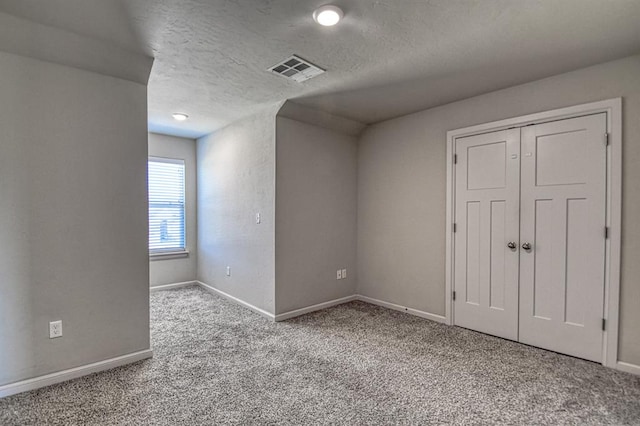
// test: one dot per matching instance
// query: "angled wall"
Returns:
(236, 181)
(301, 179)
(73, 217)
(64, 47)
(315, 214)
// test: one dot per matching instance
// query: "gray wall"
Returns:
(177, 270)
(236, 180)
(315, 214)
(402, 185)
(73, 217)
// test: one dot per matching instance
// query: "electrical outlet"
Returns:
(228, 271)
(55, 329)
(339, 274)
(344, 274)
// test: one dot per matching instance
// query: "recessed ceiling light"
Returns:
(178, 116)
(328, 15)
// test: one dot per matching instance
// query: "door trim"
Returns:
(613, 109)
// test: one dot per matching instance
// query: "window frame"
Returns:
(173, 252)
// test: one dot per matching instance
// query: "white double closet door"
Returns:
(529, 256)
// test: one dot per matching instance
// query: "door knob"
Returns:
(526, 246)
(512, 245)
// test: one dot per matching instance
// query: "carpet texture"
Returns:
(218, 363)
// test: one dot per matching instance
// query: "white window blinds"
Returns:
(166, 205)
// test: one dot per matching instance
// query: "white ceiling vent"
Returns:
(297, 69)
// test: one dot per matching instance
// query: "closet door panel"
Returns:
(487, 199)
(563, 184)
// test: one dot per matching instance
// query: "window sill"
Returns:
(168, 255)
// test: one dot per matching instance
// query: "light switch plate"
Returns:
(344, 274)
(339, 274)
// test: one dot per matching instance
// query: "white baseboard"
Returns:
(324, 305)
(319, 306)
(628, 367)
(416, 312)
(236, 300)
(72, 373)
(173, 285)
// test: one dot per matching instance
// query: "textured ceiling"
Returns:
(387, 57)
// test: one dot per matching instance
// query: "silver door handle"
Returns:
(512, 245)
(526, 246)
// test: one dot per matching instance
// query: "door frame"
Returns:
(613, 109)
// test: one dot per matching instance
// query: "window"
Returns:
(166, 206)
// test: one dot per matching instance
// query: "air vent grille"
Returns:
(296, 68)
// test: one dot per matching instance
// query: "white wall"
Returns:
(73, 217)
(402, 185)
(315, 214)
(236, 180)
(183, 269)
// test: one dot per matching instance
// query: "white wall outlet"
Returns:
(339, 274)
(55, 329)
(344, 274)
(228, 271)
(258, 219)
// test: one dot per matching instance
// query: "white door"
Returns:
(487, 220)
(562, 253)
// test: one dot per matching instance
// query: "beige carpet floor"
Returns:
(354, 364)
